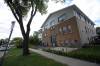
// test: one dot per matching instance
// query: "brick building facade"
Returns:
(68, 26)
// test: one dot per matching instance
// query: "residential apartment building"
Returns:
(68, 26)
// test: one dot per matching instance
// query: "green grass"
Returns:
(90, 54)
(15, 58)
(89, 51)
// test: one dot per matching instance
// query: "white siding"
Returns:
(54, 18)
(86, 30)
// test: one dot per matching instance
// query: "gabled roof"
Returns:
(72, 6)
(78, 10)
(52, 14)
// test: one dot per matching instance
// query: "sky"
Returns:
(90, 7)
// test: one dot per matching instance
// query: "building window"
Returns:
(52, 23)
(62, 17)
(78, 15)
(45, 34)
(65, 29)
(60, 29)
(86, 29)
(69, 29)
(53, 27)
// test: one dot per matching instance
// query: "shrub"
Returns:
(18, 42)
(86, 46)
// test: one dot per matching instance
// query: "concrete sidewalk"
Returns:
(64, 60)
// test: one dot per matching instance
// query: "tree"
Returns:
(17, 41)
(1, 41)
(34, 40)
(20, 9)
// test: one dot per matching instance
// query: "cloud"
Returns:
(90, 7)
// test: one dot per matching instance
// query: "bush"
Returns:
(34, 40)
(18, 42)
(18, 46)
(86, 46)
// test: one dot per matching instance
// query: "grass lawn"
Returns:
(91, 54)
(89, 51)
(15, 58)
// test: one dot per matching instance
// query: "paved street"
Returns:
(65, 60)
(3, 48)
(1, 53)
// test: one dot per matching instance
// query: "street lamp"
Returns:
(12, 26)
(2, 59)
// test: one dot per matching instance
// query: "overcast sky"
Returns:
(90, 7)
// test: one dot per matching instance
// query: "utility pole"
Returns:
(3, 57)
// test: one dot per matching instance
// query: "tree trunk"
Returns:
(17, 12)
(25, 38)
(26, 41)
(25, 46)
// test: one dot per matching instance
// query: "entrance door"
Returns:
(53, 40)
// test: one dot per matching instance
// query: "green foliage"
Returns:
(34, 40)
(14, 58)
(22, 7)
(1, 41)
(17, 41)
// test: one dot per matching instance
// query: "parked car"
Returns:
(2, 48)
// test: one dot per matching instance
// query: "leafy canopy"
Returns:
(21, 7)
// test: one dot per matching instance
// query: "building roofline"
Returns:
(83, 14)
(53, 13)
(71, 6)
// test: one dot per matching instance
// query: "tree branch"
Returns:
(22, 28)
(13, 12)
(33, 12)
(19, 20)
